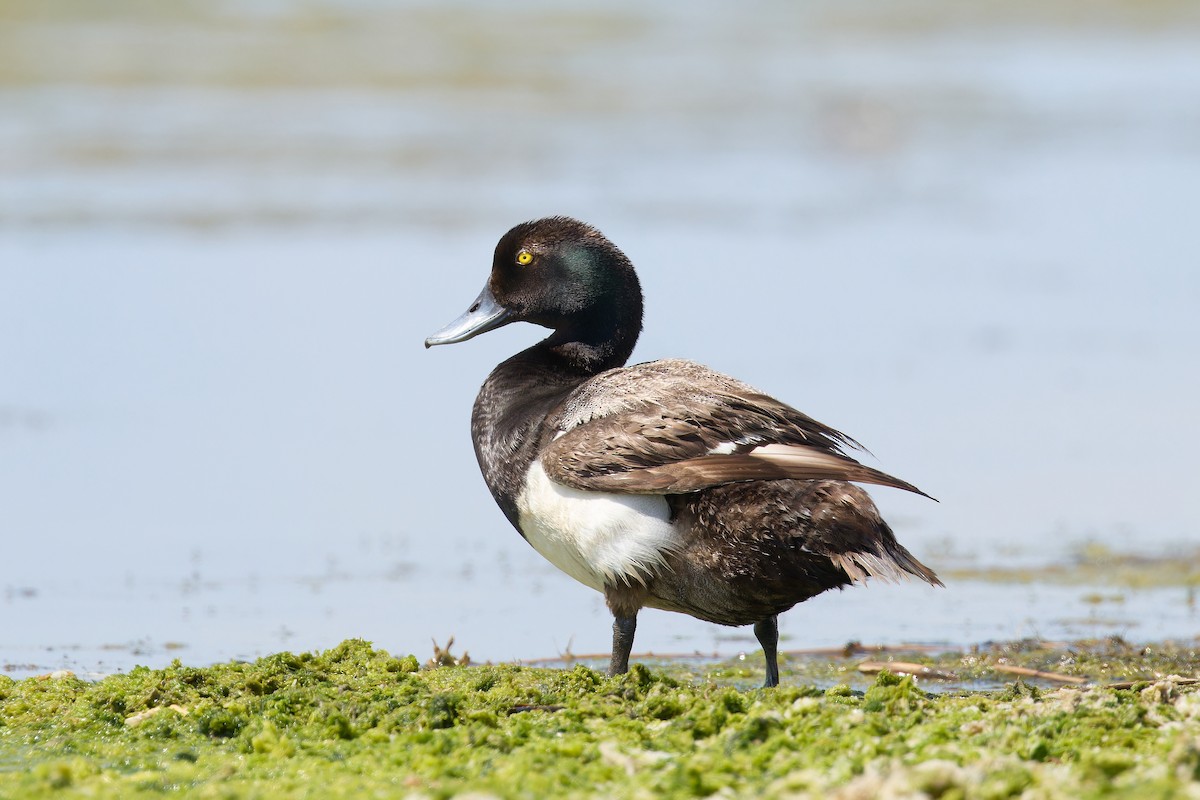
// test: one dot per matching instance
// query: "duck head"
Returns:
(562, 274)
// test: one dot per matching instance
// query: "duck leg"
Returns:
(624, 601)
(767, 633)
(623, 630)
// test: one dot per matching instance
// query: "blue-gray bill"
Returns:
(484, 315)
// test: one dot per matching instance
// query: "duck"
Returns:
(662, 484)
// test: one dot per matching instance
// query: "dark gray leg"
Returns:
(767, 633)
(623, 630)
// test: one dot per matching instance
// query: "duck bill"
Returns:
(484, 315)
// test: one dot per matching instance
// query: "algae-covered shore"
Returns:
(358, 722)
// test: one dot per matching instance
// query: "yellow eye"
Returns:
(524, 257)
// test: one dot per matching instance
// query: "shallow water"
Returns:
(966, 238)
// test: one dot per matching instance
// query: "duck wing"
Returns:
(674, 426)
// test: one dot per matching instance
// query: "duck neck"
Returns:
(594, 345)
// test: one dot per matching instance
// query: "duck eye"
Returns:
(524, 258)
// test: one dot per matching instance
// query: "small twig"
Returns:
(846, 651)
(851, 648)
(906, 668)
(1037, 673)
(1131, 684)
(572, 657)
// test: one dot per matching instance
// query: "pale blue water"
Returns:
(971, 245)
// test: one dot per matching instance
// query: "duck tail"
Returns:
(891, 563)
(892, 566)
(912, 565)
(848, 529)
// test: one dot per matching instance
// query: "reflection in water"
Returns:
(962, 235)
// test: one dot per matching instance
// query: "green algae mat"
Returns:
(358, 722)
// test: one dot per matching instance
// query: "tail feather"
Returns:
(892, 566)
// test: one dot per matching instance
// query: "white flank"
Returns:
(595, 537)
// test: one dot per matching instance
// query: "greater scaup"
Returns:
(662, 484)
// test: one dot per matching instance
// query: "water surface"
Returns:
(967, 238)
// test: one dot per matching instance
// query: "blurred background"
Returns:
(965, 234)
